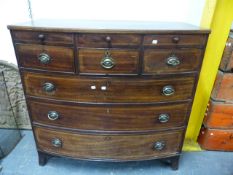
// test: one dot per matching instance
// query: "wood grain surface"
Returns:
(174, 40)
(106, 26)
(110, 117)
(125, 61)
(108, 40)
(48, 37)
(62, 58)
(118, 147)
(109, 114)
(117, 90)
(155, 60)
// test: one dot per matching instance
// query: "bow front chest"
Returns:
(112, 91)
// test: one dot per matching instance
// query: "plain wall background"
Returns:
(14, 11)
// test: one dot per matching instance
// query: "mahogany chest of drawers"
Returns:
(112, 91)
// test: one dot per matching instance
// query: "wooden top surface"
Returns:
(98, 26)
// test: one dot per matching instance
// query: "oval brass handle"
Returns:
(159, 145)
(53, 115)
(173, 61)
(168, 90)
(56, 142)
(48, 87)
(175, 39)
(107, 61)
(44, 58)
(163, 118)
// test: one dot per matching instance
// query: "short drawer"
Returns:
(108, 40)
(171, 61)
(43, 37)
(50, 58)
(115, 90)
(110, 147)
(102, 61)
(174, 40)
(110, 117)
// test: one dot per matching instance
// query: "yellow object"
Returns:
(217, 16)
(191, 145)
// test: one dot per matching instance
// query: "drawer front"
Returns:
(51, 58)
(112, 147)
(174, 40)
(43, 37)
(108, 40)
(115, 90)
(117, 61)
(110, 118)
(171, 61)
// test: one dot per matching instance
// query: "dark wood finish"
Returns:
(42, 158)
(169, 40)
(105, 26)
(155, 60)
(110, 118)
(172, 161)
(175, 162)
(126, 61)
(109, 115)
(62, 58)
(108, 40)
(120, 147)
(118, 90)
(41, 37)
(219, 115)
(227, 58)
(216, 139)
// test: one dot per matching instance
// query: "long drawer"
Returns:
(111, 90)
(112, 147)
(109, 117)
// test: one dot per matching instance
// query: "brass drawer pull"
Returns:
(107, 61)
(48, 87)
(168, 90)
(163, 118)
(159, 145)
(56, 142)
(44, 58)
(53, 115)
(173, 61)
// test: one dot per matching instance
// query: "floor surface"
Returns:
(23, 160)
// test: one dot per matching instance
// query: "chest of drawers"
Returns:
(112, 91)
